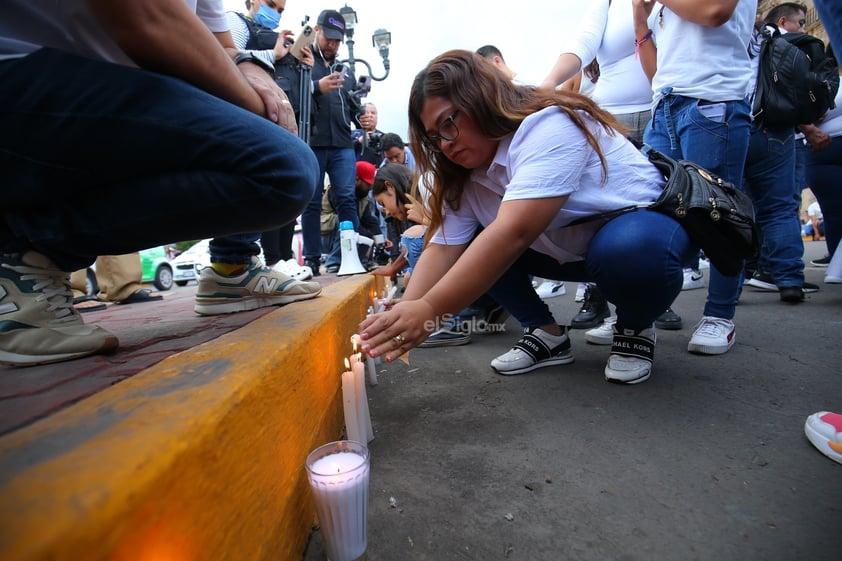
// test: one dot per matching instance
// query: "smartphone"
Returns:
(302, 40)
(343, 71)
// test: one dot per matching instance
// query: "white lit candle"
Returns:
(371, 371)
(363, 415)
(349, 404)
(338, 473)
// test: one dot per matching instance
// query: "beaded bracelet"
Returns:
(639, 42)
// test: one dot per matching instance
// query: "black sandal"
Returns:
(142, 295)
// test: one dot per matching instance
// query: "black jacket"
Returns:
(333, 112)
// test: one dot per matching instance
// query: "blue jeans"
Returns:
(770, 181)
(823, 172)
(715, 136)
(340, 165)
(830, 12)
(636, 260)
(102, 159)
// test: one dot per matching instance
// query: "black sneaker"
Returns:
(795, 294)
(669, 321)
(315, 265)
(594, 310)
(451, 335)
(763, 281)
(823, 262)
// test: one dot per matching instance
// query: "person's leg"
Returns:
(118, 276)
(270, 241)
(342, 171)
(830, 12)
(823, 172)
(221, 169)
(636, 260)
(311, 216)
(770, 181)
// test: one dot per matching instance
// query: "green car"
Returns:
(155, 267)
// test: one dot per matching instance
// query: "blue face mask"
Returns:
(267, 17)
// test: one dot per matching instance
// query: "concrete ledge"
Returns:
(199, 457)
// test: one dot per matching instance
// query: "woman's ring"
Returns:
(285, 102)
(399, 340)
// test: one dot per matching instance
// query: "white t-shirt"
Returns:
(548, 156)
(832, 123)
(814, 210)
(27, 25)
(703, 62)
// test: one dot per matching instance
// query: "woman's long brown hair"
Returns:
(495, 105)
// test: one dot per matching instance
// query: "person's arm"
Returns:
(644, 42)
(584, 46)
(816, 137)
(167, 37)
(489, 255)
(711, 13)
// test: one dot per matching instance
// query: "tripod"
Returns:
(305, 86)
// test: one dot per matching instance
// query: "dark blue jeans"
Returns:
(715, 136)
(636, 260)
(102, 159)
(770, 181)
(823, 172)
(340, 165)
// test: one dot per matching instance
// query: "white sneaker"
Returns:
(713, 336)
(550, 289)
(693, 279)
(604, 334)
(824, 431)
(535, 349)
(292, 269)
(630, 361)
(581, 289)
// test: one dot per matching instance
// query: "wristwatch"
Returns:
(251, 57)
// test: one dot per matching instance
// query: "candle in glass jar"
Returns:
(338, 473)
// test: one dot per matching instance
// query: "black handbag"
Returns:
(717, 216)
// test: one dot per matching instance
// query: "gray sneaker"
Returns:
(257, 287)
(38, 323)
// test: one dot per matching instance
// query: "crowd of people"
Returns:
(499, 172)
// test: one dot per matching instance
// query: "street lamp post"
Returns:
(381, 39)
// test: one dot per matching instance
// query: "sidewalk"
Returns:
(148, 333)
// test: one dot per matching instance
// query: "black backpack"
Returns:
(796, 81)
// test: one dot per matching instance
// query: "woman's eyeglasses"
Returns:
(446, 131)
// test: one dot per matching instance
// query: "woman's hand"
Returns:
(394, 332)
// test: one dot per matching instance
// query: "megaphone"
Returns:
(348, 240)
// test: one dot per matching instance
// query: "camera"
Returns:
(379, 253)
(374, 140)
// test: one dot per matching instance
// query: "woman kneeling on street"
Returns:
(512, 168)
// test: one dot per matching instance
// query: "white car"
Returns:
(188, 265)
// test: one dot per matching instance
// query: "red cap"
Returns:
(365, 171)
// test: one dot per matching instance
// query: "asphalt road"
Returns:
(707, 460)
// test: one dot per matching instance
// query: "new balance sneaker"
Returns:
(604, 334)
(821, 262)
(594, 310)
(669, 321)
(693, 279)
(632, 352)
(581, 289)
(713, 336)
(536, 349)
(257, 287)
(38, 323)
(824, 431)
(551, 289)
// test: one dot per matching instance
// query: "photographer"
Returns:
(367, 139)
(335, 108)
(396, 152)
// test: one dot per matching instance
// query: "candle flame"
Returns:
(336, 467)
(355, 344)
(347, 364)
